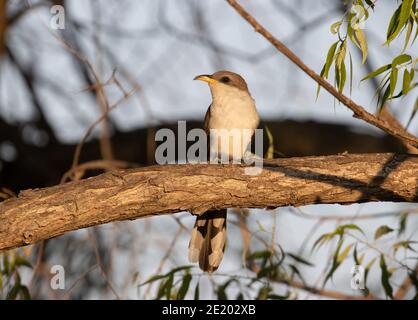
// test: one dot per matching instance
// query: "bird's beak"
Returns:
(206, 78)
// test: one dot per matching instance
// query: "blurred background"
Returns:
(134, 61)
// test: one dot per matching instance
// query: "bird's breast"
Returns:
(232, 122)
(233, 113)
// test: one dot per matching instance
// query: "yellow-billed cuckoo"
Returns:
(232, 109)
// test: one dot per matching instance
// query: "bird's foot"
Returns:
(249, 156)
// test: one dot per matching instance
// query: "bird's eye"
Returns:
(225, 79)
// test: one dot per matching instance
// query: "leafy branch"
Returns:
(404, 20)
(359, 111)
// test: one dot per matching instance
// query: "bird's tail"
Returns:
(207, 243)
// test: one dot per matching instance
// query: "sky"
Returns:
(157, 45)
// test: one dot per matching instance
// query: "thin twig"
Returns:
(90, 129)
(100, 264)
(165, 258)
(299, 213)
(405, 286)
(78, 172)
(84, 274)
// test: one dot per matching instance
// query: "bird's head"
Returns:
(224, 82)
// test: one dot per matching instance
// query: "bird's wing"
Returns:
(206, 122)
(207, 130)
(207, 243)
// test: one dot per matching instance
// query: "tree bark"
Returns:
(130, 194)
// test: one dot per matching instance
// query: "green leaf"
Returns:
(402, 223)
(415, 36)
(406, 8)
(328, 62)
(406, 82)
(335, 27)
(295, 271)
(168, 286)
(344, 254)
(240, 296)
(273, 296)
(196, 291)
(384, 98)
(385, 278)
(401, 93)
(24, 291)
(414, 280)
(161, 290)
(401, 59)
(377, 72)
(264, 292)
(356, 259)
(370, 3)
(6, 264)
(335, 262)
(341, 76)
(340, 56)
(393, 23)
(380, 87)
(367, 269)
(260, 226)
(322, 239)
(184, 286)
(361, 43)
(20, 261)
(153, 278)
(408, 33)
(222, 290)
(162, 276)
(404, 244)
(270, 150)
(175, 270)
(266, 271)
(381, 231)
(12, 294)
(370, 264)
(299, 259)
(330, 58)
(414, 111)
(404, 14)
(393, 81)
(265, 254)
(341, 229)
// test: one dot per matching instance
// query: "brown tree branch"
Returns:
(130, 194)
(325, 292)
(359, 111)
(386, 115)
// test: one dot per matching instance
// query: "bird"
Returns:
(232, 108)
